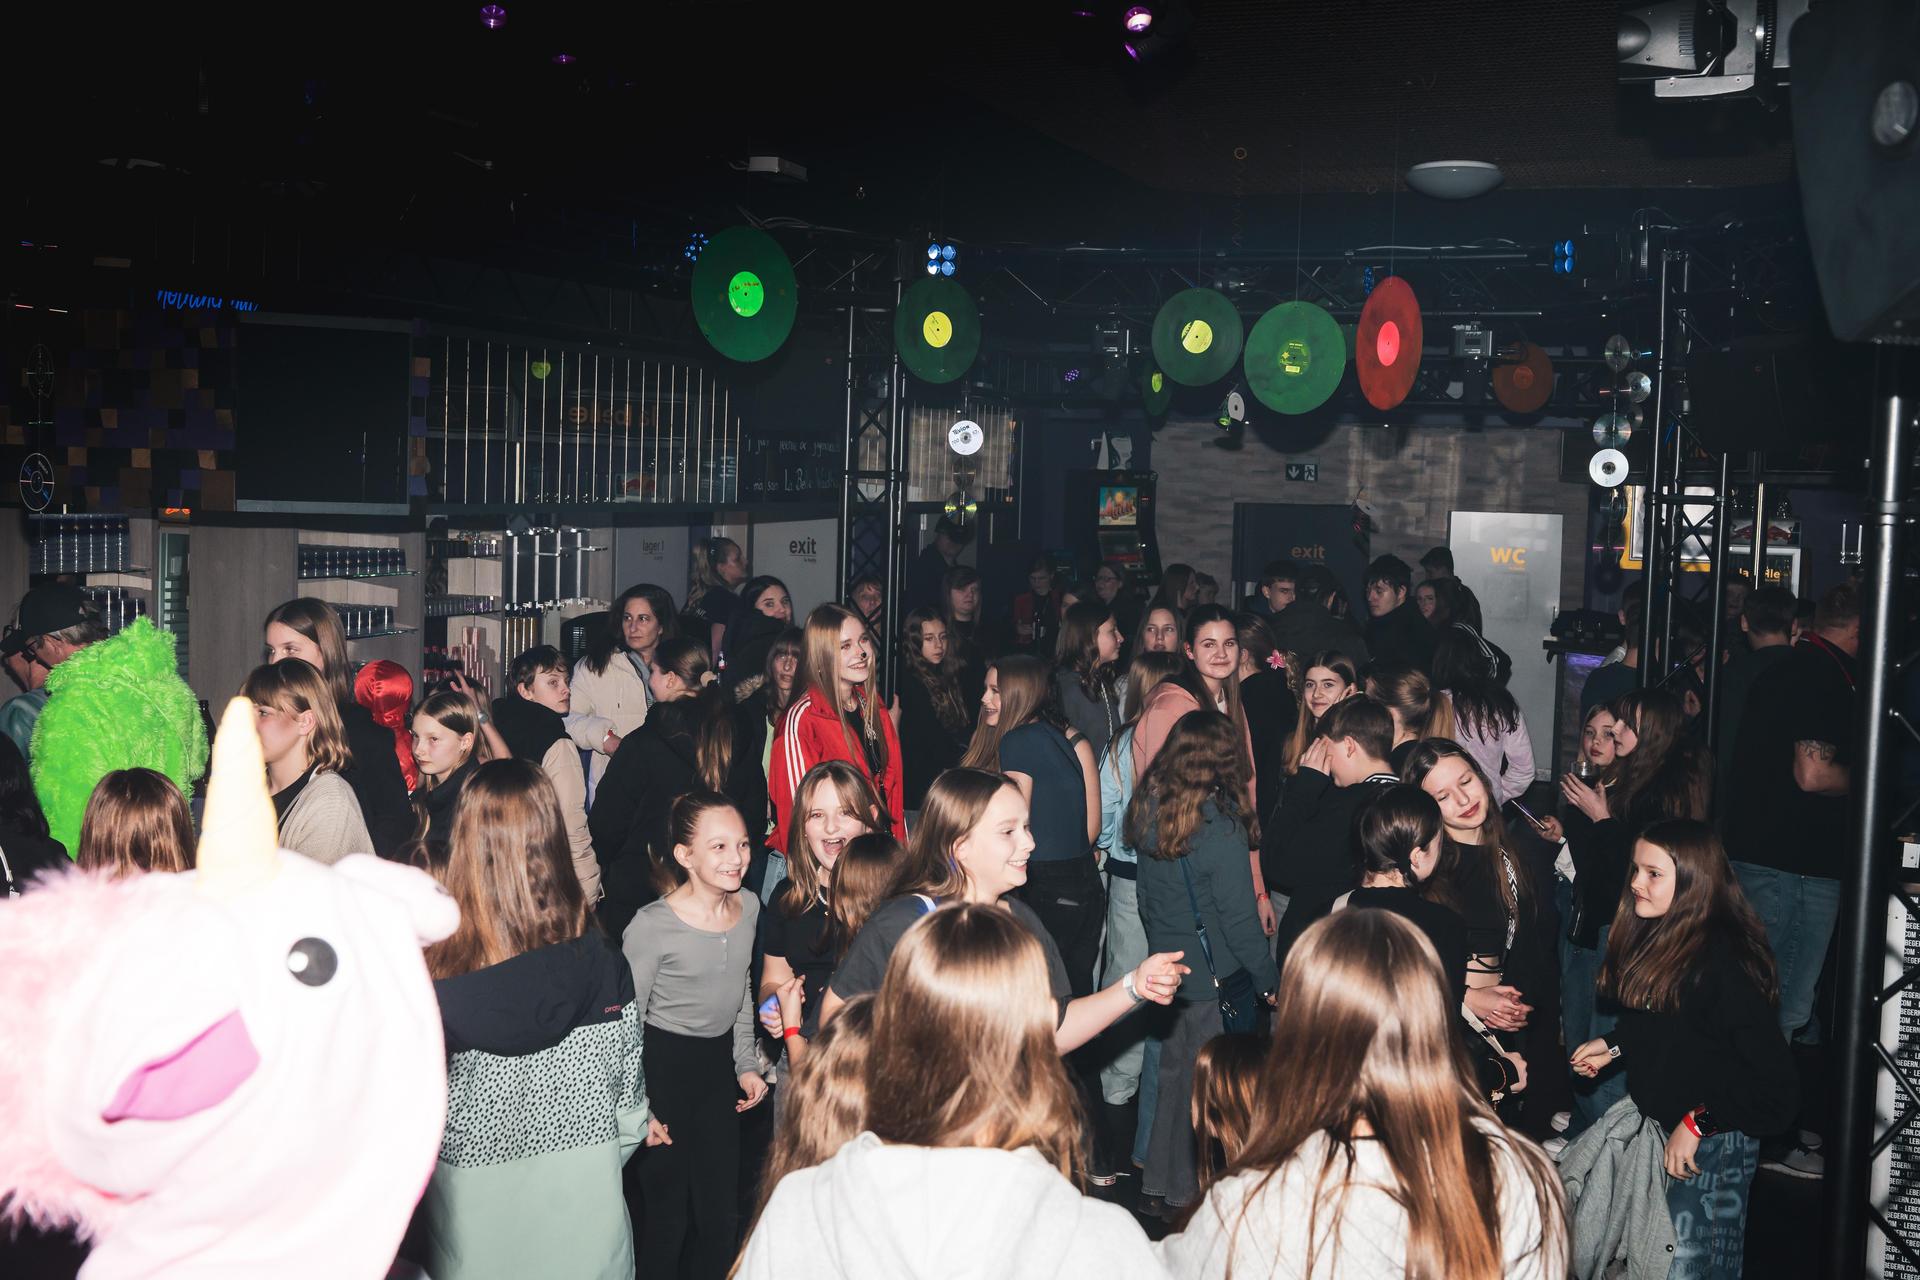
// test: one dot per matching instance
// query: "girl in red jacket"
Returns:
(835, 717)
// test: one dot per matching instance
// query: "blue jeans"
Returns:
(1580, 1018)
(1709, 1210)
(1126, 947)
(1149, 1095)
(1798, 913)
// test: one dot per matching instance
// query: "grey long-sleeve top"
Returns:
(1223, 886)
(693, 982)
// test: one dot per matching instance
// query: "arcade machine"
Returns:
(1111, 519)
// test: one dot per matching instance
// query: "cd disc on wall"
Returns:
(1608, 468)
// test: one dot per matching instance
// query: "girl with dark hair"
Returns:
(1458, 609)
(310, 630)
(1326, 678)
(936, 716)
(972, 639)
(1483, 876)
(545, 1097)
(685, 743)
(1179, 586)
(1036, 611)
(972, 845)
(1688, 964)
(531, 718)
(765, 610)
(718, 567)
(1486, 719)
(136, 821)
(691, 953)
(1090, 685)
(1385, 1161)
(1398, 842)
(760, 703)
(1272, 711)
(1658, 775)
(1226, 1100)
(1021, 734)
(610, 689)
(1190, 824)
(834, 806)
(952, 1136)
(1211, 679)
(1161, 626)
(838, 716)
(1111, 588)
(306, 752)
(25, 848)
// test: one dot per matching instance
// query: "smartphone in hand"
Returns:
(1538, 824)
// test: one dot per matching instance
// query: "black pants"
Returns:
(1067, 895)
(689, 1187)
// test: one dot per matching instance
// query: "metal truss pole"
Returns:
(1651, 561)
(872, 498)
(1863, 904)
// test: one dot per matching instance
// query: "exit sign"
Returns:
(1307, 472)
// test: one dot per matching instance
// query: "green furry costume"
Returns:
(118, 704)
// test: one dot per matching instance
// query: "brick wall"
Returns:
(1414, 477)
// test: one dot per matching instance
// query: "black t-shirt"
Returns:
(1442, 925)
(1058, 806)
(866, 962)
(1808, 696)
(802, 942)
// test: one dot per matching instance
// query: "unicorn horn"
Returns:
(239, 840)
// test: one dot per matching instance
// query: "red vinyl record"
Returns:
(1523, 386)
(1386, 346)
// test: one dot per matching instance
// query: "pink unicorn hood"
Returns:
(234, 1071)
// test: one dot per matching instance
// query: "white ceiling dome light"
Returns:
(1454, 179)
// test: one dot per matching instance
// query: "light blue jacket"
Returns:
(1116, 793)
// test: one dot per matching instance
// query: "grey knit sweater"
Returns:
(324, 822)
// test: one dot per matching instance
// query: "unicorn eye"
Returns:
(313, 961)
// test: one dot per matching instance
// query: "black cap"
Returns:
(44, 610)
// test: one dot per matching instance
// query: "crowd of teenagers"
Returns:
(1249, 909)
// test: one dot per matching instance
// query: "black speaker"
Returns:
(1856, 109)
(1778, 392)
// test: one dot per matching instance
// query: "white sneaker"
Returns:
(1560, 1121)
(1798, 1163)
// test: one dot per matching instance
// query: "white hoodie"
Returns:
(880, 1212)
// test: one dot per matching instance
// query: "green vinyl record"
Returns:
(1295, 356)
(937, 329)
(1156, 391)
(744, 295)
(1197, 337)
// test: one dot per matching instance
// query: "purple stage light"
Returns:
(1132, 52)
(493, 16)
(1138, 19)
(562, 59)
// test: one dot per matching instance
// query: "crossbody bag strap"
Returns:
(1199, 926)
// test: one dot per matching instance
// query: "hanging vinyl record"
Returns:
(1524, 385)
(1156, 391)
(744, 296)
(1295, 356)
(1386, 346)
(1608, 468)
(1197, 337)
(937, 329)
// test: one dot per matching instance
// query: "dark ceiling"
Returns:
(1008, 122)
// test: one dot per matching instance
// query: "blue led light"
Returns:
(933, 268)
(946, 268)
(933, 251)
(947, 253)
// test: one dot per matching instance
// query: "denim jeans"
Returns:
(1126, 947)
(1580, 1018)
(1149, 1095)
(776, 872)
(1798, 913)
(1709, 1210)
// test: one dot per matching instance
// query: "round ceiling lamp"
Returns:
(1454, 179)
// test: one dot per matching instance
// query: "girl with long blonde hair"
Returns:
(542, 1109)
(306, 754)
(839, 717)
(1384, 1160)
(995, 1124)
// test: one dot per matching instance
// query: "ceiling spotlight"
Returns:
(1070, 377)
(562, 59)
(933, 252)
(933, 268)
(1233, 411)
(946, 268)
(695, 244)
(947, 252)
(1138, 19)
(493, 16)
(1563, 257)
(1454, 179)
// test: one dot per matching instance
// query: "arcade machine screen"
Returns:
(1122, 529)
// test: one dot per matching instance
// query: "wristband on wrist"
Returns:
(1699, 1123)
(789, 1033)
(1132, 990)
